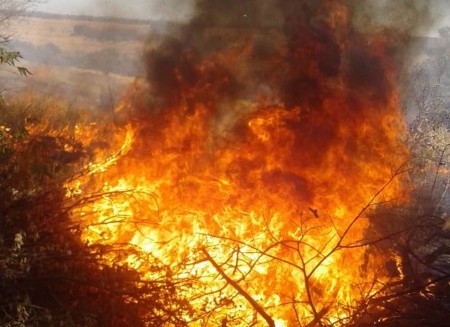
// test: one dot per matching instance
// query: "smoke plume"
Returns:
(294, 51)
(335, 62)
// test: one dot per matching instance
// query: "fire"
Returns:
(261, 207)
(249, 205)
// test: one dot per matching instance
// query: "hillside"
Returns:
(87, 61)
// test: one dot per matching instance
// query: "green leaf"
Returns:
(23, 71)
(11, 58)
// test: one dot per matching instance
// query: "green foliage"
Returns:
(11, 58)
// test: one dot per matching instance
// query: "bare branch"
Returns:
(240, 290)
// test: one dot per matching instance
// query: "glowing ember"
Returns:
(259, 203)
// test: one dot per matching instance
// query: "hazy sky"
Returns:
(179, 9)
(142, 9)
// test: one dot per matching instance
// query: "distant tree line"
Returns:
(108, 19)
(109, 34)
(107, 60)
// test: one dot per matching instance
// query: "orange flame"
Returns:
(263, 211)
(273, 222)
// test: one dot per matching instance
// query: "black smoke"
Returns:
(296, 49)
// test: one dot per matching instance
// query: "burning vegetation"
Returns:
(253, 178)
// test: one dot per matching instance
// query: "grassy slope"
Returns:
(82, 86)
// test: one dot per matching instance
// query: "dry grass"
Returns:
(87, 88)
(40, 31)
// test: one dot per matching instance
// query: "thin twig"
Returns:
(240, 290)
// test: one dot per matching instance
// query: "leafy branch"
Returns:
(11, 58)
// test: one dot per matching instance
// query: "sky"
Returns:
(179, 10)
(140, 9)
